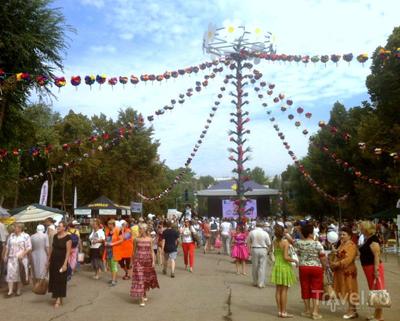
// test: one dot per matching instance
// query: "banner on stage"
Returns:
(44, 193)
(230, 210)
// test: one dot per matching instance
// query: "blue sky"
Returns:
(124, 37)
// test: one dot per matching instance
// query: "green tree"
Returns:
(32, 40)
(258, 175)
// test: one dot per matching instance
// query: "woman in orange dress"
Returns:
(113, 252)
(345, 272)
(126, 249)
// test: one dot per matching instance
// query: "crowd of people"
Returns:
(137, 246)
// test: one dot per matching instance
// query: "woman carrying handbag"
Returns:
(370, 253)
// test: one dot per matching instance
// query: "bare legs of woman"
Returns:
(243, 262)
(351, 312)
(207, 245)
(97, 274)
(19, 288)
(311, 310)
(57, 303)
(378, 314)
(281, 301)
(159, 256)
(11, 289)
(240, 264)
(143, 300)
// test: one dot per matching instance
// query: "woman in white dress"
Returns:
(40, 253)
(17, 250)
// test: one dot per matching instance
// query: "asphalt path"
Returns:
(212, 292)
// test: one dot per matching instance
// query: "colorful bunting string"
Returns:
(119, 134)
(378, 151)
(305, 173)
(193, 153)
(189, 93)
(46, 149)
(324, 59)
(101, 79)
(340, 162)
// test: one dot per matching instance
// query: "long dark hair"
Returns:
(279, 232)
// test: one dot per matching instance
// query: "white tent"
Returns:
(172, 212)
(36, 213)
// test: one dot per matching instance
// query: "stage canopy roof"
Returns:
(224, 188)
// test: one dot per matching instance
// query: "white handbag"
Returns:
(379, 298)
(293, 255)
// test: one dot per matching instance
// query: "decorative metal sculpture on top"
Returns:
(239, 45)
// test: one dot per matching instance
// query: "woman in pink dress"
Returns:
(144, 276)
(240, 250)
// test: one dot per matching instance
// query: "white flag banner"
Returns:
(75, 198)
(44, 193)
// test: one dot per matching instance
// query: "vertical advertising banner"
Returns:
(43, 193)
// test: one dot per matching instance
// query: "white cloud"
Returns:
(103, 49)
(96, 3)
(168, 35)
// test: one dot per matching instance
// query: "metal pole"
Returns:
(240, 131)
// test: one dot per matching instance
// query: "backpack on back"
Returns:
(75, 240)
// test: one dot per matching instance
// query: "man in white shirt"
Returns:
(225, 229)
(259, 242)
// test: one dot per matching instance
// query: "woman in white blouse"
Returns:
(188, 244)
(97, 238)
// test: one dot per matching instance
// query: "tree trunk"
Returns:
(2, 112)
(63, 191)
(16, 198)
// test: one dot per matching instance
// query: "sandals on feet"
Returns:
(286, 315)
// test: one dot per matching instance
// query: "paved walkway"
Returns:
(212, 292)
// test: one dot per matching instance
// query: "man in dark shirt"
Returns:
(170, 247)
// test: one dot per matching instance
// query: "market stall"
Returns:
(102, 208)
(5, 216)
(36, 213)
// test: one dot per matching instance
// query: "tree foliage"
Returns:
(376, 125)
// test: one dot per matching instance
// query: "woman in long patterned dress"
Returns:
(144, 276)
(345, 272)
(16, 253)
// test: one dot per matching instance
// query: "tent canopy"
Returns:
(387, 214)
(36, 213)
(172, 211)
(102, 203)
(4, 212)
(102, 206)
